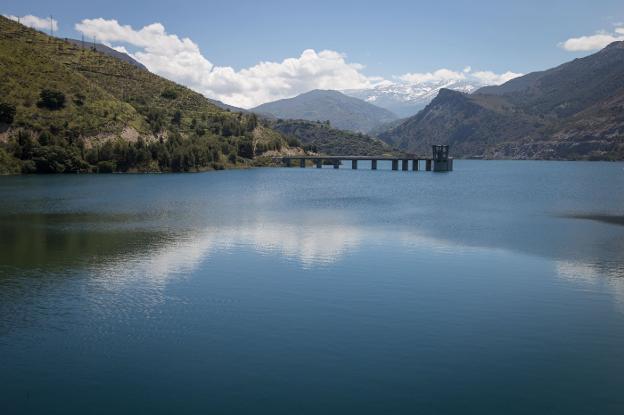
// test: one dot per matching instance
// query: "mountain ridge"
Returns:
(343, 112)
(107, 51)
(572, 111)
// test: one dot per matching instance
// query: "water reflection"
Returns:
(603, 276)
(139, 247)
(132, 231)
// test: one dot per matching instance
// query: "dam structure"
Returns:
(438, 162)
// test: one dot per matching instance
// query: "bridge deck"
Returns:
(431, 163)
(354, 158)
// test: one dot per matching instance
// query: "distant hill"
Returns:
(68, 109)
(321, 137)
(573, 111)
(343, 112)
(107, 51)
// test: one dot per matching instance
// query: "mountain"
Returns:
(129, 59)
(68, 109)
(406, 99)
(573, 111)
(107, 51)
(382, 128)
(343, 112)
(322, 138)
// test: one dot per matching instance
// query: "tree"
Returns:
(177, 118)
(252, 122)
(23, 145)
(50, 99)
(155, 120)
(55, 159)
(245, 149)
(7, 113)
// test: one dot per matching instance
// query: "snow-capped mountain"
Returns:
(407, 98)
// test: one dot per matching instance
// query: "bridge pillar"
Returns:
(395, 164)
(441, 160)
(319, 164)
(428, 165)
(443, 165)
(415, 165)
(354, 164)
(405, 165)
(287, 162)
(337, 164)
(302, 163)
(373, 164)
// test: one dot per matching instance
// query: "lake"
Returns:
(494, 289)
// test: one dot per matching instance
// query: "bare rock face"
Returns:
(574, 111)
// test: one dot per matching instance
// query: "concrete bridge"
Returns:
(440, 161)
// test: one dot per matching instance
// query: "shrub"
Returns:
(106, 166)
(29, 167)
(7, 113)
(51, 99)
(79, 100)
(169, 94)
(8, 163)
(45, 138)
(293, 141)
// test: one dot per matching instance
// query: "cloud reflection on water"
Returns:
(312, 243)
(602, 276)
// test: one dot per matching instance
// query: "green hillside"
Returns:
(322, 138)
(67, 109)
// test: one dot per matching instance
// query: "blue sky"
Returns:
(389, 38)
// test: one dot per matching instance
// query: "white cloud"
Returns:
(41, 23)
(491, 78)
(442, 76)
(268, 81)
(439, 75)
(167, 55)
(121, 49)
(181, 60)
(593, 42)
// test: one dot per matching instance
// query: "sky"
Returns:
(249, 52)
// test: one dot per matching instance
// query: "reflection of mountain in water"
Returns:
(133, 230)
(133, 247)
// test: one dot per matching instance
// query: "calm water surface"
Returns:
(495, 289)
